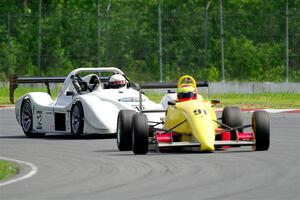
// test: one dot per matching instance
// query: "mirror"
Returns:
(172, 103)
(69, 93)
(215, 101)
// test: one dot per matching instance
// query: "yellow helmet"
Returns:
(186, 88)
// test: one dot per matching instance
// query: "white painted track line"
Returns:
(33, 171)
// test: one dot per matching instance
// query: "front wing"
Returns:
(196, 144)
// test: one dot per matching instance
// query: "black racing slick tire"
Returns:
(261, 129)
(77, 122)
(140, 134)
(124, 130)
(26, 119)
(232, 117)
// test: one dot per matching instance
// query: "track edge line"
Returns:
(33, 171)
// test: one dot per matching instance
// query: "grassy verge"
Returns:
(266, 100)
(4, 91)
(7, 169)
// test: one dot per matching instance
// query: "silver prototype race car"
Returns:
(88, 103)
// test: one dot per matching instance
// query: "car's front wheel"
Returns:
(140, 134)
(27, 119)
(77, 119)
(124, 130)
(261, 129)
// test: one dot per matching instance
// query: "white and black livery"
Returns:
(88, 103)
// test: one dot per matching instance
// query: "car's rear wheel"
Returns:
(140, 134)
(261, 129)
(27, 119)
(77, 122)
(232, 117)
(124, 130)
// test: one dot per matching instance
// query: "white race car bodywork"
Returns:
(100, 106)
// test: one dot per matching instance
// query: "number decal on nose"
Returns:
(197, 111)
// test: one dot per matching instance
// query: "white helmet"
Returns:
(117, 81)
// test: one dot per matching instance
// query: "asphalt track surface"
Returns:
(93, 168)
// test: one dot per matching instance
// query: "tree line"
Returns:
(254, 38)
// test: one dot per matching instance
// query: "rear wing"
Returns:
(164, 85)
(14, 82)
(158, 85)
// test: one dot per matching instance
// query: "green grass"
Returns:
(266, 100)
(7, 169)
(4, 91)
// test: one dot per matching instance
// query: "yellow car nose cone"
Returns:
(201, 124)
(206, 138)
(207, 147)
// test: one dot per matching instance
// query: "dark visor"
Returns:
(186, 95)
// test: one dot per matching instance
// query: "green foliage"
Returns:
(213, 74)
(247, 61)
(295, 75)
(253, 38)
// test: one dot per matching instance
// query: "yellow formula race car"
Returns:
(190, 122)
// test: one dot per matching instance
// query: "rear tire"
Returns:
(261, 129)
(124, 130)
(77, 122)
(140, 134)
(232, 117)
(26, 119)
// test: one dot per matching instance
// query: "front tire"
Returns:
(261, 129)
(140, 134)
(232, 117)
(124, 130)
(27, 119)
(77, 121)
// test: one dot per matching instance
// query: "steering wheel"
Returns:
(83, 85)
(94, 80)
(79, 85)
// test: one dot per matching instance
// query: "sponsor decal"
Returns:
(48, 113)
(39, 117)
(39, 127)
(137, 107)
(130, 99)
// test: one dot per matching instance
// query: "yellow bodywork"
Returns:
(199, 122)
